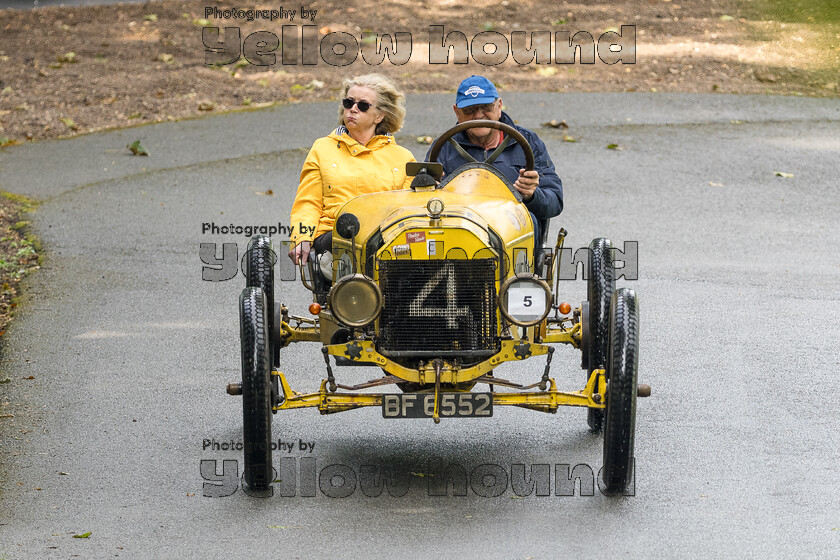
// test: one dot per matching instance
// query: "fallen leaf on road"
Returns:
(137, 149)
(783, 174)
(614, 147)
(554, 123)
(713, 184)
(83, 535)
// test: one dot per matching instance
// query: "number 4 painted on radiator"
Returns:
(451, 311)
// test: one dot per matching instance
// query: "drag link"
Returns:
(387, 380)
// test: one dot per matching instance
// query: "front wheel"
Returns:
(256, 390)
(622, 389)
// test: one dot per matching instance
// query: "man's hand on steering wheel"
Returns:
(524, 187)
(527, 183)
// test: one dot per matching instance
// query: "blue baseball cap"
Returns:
(476, 90)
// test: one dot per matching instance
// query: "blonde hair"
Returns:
(389, 101)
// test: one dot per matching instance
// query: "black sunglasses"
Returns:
(348, 103)
(473, 109)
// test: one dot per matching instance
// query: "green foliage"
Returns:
(26, 203)
(795, 11)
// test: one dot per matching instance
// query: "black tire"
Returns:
(259, 273)
(256, 390)
(599, 290)
(622, 389)
(258, 267)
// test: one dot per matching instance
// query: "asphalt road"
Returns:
(737, 449)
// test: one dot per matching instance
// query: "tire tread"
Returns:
(256, 389)
(620, 419)
(600, 288)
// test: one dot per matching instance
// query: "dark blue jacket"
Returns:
(548, 198)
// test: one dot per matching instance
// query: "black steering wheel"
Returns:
(507, 129)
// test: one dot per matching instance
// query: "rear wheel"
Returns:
(599, 289)
(256, 390)
(622, 389)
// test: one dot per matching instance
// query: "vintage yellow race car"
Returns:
(439, 286)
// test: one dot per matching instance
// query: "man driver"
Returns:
(541, 189)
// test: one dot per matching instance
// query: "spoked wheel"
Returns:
(258, 266)
(599, 288)
(256, 390)
(622, 389)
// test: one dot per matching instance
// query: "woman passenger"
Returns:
(359, 157)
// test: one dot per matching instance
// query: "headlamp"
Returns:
(355, 300)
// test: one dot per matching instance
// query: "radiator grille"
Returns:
(438, 307)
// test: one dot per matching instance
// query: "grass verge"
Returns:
(20, 252)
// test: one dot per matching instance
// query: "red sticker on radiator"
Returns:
(416, 236)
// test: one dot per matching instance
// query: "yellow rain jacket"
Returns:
(337, 169)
